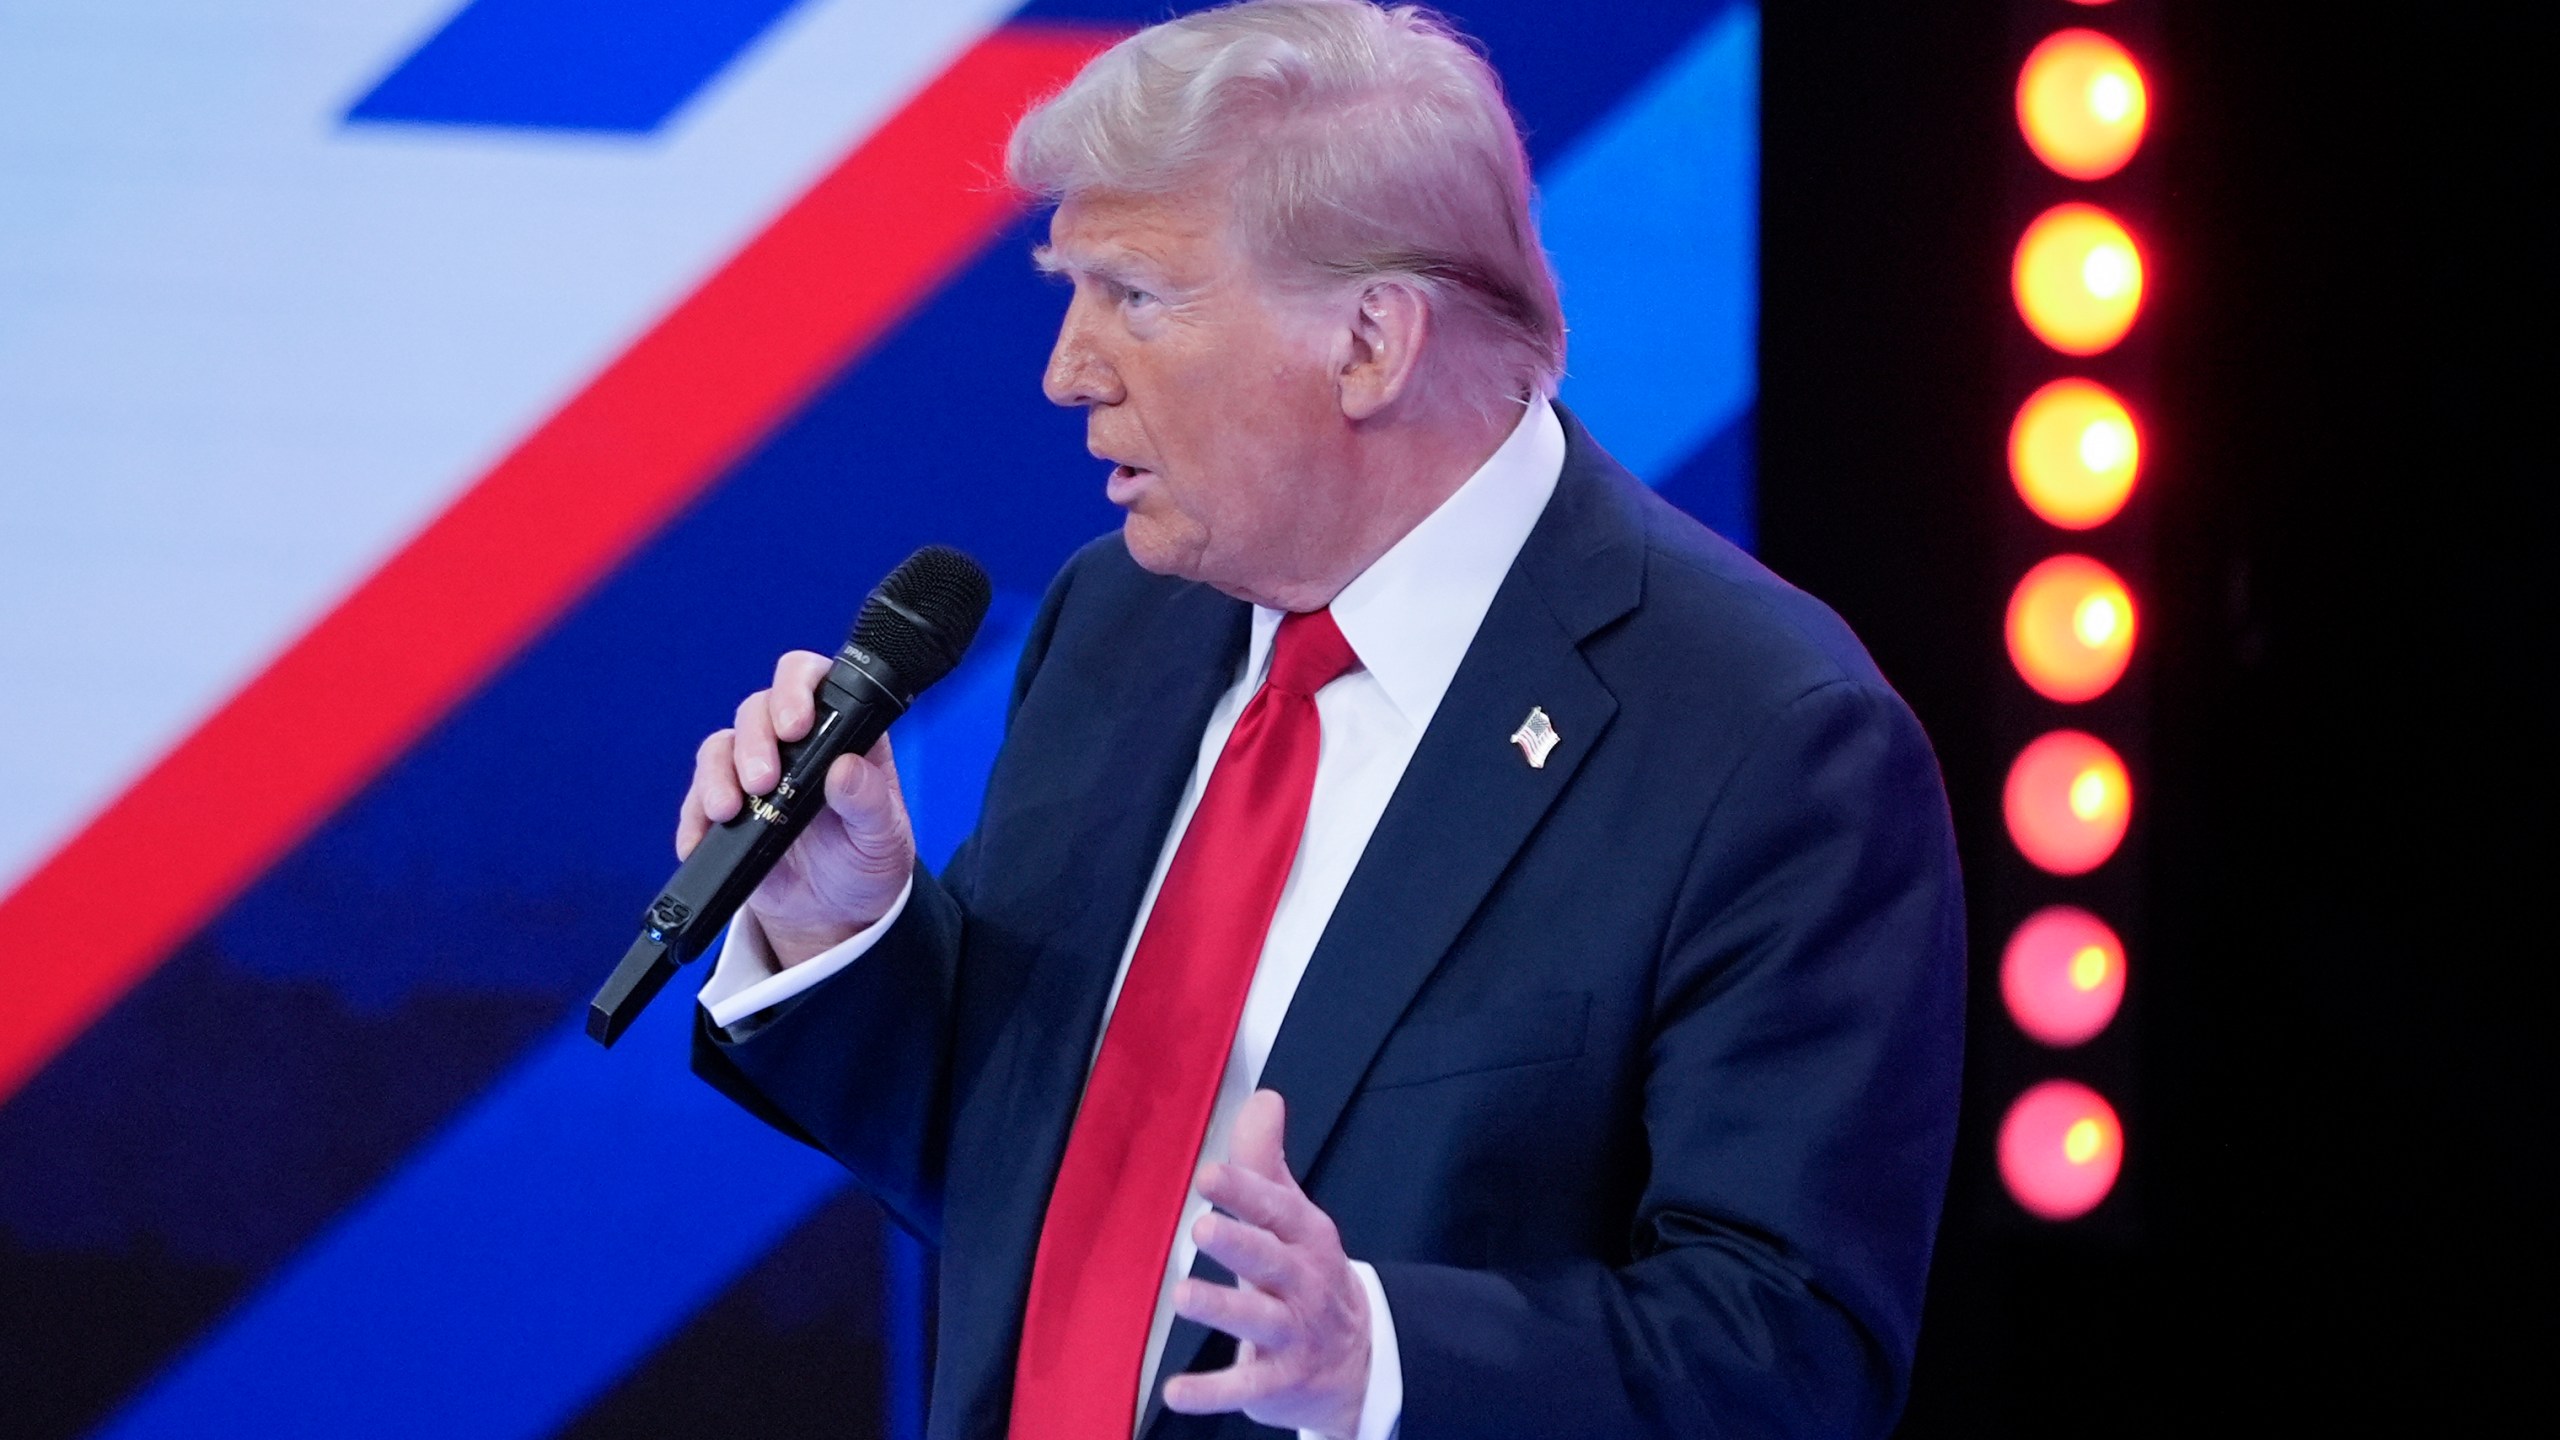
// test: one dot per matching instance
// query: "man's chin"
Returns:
(1161, 549)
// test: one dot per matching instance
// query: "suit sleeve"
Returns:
(859, 1064)
(1799, 1108)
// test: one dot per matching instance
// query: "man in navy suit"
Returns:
(1451, 947)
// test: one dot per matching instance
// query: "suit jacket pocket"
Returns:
(1531, 1031)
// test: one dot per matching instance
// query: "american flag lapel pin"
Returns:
(1536, 737)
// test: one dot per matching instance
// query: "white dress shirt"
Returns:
(1409, 617)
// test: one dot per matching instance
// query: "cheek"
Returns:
(1196, 505)
(1256, 418)
(1234, 421)
(1238, 512)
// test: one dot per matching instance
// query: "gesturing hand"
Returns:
(1300, 1318)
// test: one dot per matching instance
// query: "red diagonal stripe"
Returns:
(719, 371)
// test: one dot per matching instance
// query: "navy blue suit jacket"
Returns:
(1634, 1076)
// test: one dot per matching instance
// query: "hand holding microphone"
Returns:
(846, 869)
(801, 751)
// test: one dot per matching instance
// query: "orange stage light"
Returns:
(2061, 1148)
(2070, 628)
(2067, 802)
(2081, 104)
(2077, 279)
(2062, 975)
(2073, 453)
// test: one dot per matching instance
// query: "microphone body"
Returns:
(855, 703)
(916, 633)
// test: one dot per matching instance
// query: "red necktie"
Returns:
(1136, 1141)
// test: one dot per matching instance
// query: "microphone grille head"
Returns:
(922, 617)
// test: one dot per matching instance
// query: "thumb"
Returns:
(862, 789)
(1260, 1127)
(883, 755)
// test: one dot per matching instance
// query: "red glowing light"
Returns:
(2082, 104)
(2071, 628)
(2073, 452)
(2067, 802)
(2062, 975)
(2077, 278)
(2060, 1150)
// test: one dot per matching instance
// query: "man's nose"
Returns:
(1078, 373)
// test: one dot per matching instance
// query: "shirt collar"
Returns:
(1412, 614)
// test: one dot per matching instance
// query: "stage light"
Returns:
(2073, 453)
(2082, 104)
(2067, 802)
(2070, 628)
(2062, 975)
(2060, 1149)
(2077, 279)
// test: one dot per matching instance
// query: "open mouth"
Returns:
(1126, 483)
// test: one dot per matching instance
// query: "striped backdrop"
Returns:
(418, 425)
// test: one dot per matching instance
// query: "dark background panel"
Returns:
(796, 1349)
(2324, 1217)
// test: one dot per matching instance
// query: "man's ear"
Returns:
(1389, 327)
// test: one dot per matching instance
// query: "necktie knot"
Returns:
(1309, 653)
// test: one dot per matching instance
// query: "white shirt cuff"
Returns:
(747, 979)
(1382, 1407)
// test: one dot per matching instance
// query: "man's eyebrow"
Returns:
(1121, 270)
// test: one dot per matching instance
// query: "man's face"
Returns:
(1210, 392)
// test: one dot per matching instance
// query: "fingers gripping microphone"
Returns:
(911, 632)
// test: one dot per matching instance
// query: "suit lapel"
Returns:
(1135, 764)
(1467, 803)
(1470, 798)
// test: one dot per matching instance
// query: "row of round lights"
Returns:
(2074, 454)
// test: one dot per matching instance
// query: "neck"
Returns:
(1394, 471)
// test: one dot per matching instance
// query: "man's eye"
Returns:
(1137, 297)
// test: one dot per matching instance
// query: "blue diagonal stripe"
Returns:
(1653, 223)
(606, 65)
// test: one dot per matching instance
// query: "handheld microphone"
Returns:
(911, 632)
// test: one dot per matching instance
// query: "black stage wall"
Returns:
(2345, 811)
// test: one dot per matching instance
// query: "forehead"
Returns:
(1110, 230)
